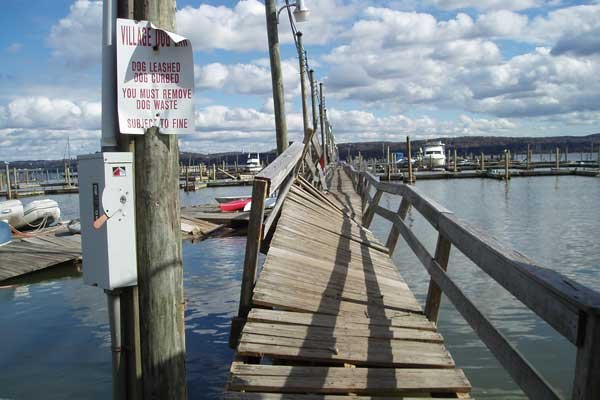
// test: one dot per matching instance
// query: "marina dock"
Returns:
(29, 254)
(330, 317)
(329, 294)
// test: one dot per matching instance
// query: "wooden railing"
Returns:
(570, 308)
(299, 161)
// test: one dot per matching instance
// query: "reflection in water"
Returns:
(55, 333)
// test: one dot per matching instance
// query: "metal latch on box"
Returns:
(113, 201)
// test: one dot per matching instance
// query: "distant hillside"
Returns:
(476, 144)
(464, 146)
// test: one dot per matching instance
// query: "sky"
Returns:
(429, 68)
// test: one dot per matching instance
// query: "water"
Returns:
(54, 329)
(551, 219)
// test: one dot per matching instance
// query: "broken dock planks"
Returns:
(332, 317)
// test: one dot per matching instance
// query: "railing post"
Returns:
(586, 385)
(253, 241)
(434, 294)
(395, 232)
(370, 212)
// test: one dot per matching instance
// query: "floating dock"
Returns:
(46, 249)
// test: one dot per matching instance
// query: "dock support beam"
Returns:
(434, 294)
(253, 242)
(587, 366)
(8, 188)
(160, 270)
(411, 178)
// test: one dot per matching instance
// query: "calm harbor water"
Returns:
(55, 338)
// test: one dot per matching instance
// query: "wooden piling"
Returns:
(557, 158)
(482, 162)
(506, 165)
(454, 160)
(411, 177)
(8, 186)
(160, 270)
(528, 156)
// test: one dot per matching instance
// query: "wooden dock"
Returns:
(56, 246)
(330, 317)
(29, 254)
(333, 315)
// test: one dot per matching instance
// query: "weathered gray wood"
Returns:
(295, 379)
(275, 173)
(370, 212)
(392, 239)
(160, 270)
(254, 237)
(281, 196)
(586, 385)
(434, 293)
(276, 76)
(549, 294)
(523, 373)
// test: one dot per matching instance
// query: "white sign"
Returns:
(155, 79)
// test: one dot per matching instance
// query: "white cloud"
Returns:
(76, 38)
(241, 28)
(487, 4)
(46, 113)
(252, 78)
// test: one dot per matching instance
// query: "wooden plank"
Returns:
(259, 193)
(401, 320)
(275, 173)
(341, 333)
(359, 352)
(434, 293)
(392, 239)
(281, 396)
(281, 196)
(370, 212)
(586, 385)
(549, 294)
(334, 380)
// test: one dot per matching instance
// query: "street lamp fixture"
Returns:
(301, 12)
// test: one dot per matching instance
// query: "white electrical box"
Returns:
(107, 214)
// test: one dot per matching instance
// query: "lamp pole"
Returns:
(276, 77)
(302, 61)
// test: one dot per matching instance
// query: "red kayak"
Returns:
(234, 205)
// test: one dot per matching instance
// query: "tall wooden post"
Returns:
(15, 180)
(8, 188)
(506, 164)
(302, 61)
(411, 178)
(482, 161)
(557, 158)
(389, 165)
(276, 76)
(528, 156)
(454, 161)
(313, 99)
(160, 270)
(322, 122)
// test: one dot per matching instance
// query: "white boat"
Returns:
(253, 164)
(36, 214)
(433, 155)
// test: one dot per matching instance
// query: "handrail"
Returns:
(571, 308)
(275, 179)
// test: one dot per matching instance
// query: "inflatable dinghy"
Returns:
(37, 214)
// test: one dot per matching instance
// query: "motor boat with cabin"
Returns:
(253, 164)
(34, 215)
(433, 155)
